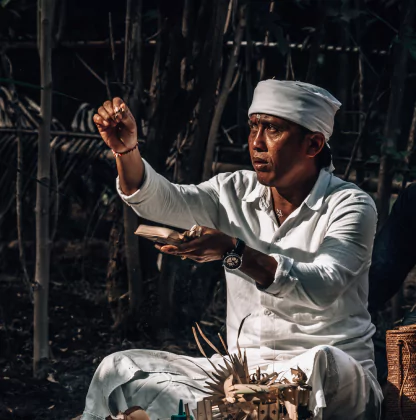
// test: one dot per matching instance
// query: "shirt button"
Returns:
(267, 312)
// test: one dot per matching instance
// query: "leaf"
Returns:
(351, 14)
(151, 15)
(250, 389)
(4, 3)
(207, 341)
(32, 86)
(223, 344)
(374, 159)
(229, 386)
(310, 29)
(238, 335)
(410, 317)
(50, 378)
(299, 376)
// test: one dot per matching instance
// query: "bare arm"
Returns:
(118, 129)
(213, 245)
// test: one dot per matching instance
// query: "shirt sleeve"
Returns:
(175, 205)
(344, 254)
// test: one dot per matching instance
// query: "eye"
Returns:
(271, 127)
(253, 126)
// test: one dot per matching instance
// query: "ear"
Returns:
(316, 142)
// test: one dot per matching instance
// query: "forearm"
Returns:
(260, 267)
(130, 168)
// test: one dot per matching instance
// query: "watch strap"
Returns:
(239, 247)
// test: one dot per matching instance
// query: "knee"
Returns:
(326, 349)
(117, 364)
(112, 359)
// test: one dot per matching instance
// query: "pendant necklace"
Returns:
(279, 213)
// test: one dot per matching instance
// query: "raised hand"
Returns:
(116, 125)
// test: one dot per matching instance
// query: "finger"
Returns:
(169, 249)
(124, 114)
(192, 245)
(118, 103)
(101, 124)
(108, 106)
(104, 115)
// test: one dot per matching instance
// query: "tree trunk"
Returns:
(222, 100)
(165, 117)
(316, 45)
(211, 70)
(411, 139)
(124, 255)
(116, 286)
(201, 81)
(42, 269)
(131, 241)
(134, 269)
(392, 126)
(262, 70)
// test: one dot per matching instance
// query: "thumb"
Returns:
(127, 118)
(122, 114)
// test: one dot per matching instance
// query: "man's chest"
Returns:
(299, 236)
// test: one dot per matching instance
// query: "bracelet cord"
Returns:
(118, 154)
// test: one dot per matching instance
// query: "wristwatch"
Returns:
(234, 259)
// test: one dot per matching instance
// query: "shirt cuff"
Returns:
(283, 282)
(138, 196)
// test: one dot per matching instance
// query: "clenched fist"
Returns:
(116, 125)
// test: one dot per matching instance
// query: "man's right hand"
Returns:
(116, 125)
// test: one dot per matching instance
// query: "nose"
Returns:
(258, 140)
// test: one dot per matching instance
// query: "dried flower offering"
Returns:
(235, 394)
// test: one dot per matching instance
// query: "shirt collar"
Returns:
(314, 200)
(316, 197)
(259, 191)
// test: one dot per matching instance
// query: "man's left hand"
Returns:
(210, 246)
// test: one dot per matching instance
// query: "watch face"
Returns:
(232, 261)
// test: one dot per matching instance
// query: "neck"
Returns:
(291, 197)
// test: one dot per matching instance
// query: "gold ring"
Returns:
(183, 257)
(196, 230)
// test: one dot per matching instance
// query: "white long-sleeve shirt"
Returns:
(323, 251)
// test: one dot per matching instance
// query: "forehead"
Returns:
(270, 118)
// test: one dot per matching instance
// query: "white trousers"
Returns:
(154, 380)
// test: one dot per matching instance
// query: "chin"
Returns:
(265, 178)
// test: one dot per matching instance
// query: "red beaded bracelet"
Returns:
(118, 154)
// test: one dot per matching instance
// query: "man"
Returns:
(296, 244)
(394, 253)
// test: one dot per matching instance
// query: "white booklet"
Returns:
(161, 235)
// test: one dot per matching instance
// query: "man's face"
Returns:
(278, 150)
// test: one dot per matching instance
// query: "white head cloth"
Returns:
(308, 105)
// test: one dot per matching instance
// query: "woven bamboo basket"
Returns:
(400, 401)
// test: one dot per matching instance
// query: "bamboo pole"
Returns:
(42, 268)
(27, 45)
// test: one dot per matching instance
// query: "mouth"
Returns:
(260, 165)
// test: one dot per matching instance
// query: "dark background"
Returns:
(88, 304)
